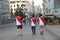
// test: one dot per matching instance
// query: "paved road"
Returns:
(54, 31)
(9, 32)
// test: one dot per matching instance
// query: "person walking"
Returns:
(19, 22)
(41, 23)
(33, 24)
(24, 20)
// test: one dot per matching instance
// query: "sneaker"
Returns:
(33, 33)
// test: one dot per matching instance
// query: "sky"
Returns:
(38, 2)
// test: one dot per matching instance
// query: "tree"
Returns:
(19, 11)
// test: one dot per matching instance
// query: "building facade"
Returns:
(57, 6)
(51, 6)
(37, 9)
(26, 6)
(4, 10)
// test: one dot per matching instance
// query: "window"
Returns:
(22, 5)
(14, 9)
(12, 1)
(4, 0)
(56, 11)
(0, 0)
(11, 9)
(14, 5)
(11, 5)
(18, 1)
(49, 0)
(0, 5)
(17, 5)
(49, 10)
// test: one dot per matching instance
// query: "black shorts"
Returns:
(19, 26)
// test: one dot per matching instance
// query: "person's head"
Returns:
(18, 15)
(40, 14)
(33, 15)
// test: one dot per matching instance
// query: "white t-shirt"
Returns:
(32, 24)
(17, 22)
(40, 22)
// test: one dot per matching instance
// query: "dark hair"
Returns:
(18, 15)
(40, 14)
(33, 15)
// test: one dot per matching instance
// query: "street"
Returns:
(9, 32)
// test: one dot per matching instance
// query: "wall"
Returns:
(57, 6)
(51, 5)
(4, 9)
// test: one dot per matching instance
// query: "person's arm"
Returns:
(38, 20)
(44, 22)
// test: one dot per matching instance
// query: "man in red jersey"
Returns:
(19, 24)
(41, 23)
(33, 25)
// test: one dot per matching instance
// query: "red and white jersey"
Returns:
(41, 20)
(19, 20)
(33, 21)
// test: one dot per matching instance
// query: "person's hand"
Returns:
(45, 23)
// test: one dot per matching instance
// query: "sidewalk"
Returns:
(55, 29)
(6, 24)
